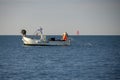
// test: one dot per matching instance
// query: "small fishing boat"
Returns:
(65, 41)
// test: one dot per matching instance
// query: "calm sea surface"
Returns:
(87, 58)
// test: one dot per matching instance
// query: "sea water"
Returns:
(87, 58)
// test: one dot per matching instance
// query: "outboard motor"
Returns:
(23, 32)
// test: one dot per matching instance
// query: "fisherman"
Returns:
(65, 36)
(23, 32)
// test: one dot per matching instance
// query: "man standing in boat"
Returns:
(41, 33)
(65, 36)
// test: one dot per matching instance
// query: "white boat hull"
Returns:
(35, 42)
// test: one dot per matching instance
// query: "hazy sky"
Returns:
(90, 17)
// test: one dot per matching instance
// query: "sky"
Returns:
(90, 17)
